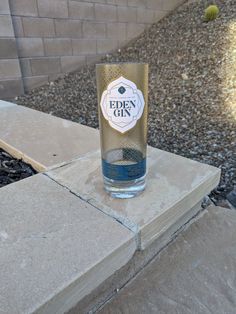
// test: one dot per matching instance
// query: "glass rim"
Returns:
(116, 63)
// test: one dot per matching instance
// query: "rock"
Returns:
(184, 76)
(231, 197)
(12, 169)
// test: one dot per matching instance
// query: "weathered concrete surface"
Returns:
(44, 140)
(4, 104)
(174, 186)
(54, 248)
(109, 288)
(195, 274)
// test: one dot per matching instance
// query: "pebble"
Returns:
(12, 169)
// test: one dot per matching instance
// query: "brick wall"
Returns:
(52, 37)
(10, 73)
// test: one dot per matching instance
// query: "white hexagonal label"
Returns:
(122, 104)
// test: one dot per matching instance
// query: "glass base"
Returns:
(124, 189)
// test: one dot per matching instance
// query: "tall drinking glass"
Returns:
(122, 90)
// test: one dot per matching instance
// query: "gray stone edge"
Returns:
(73, 292)
(148, 233)
(203, 188)
(20, 155)
(17, 153)
(110, 287)
(4, 104)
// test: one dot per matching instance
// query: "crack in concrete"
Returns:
(120, 219)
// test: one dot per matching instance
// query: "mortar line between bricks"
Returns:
(134, 229)
(37, 5)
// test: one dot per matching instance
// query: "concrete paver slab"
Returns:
(44, 140)
(195, 274)
(54, 247)
(174, 186)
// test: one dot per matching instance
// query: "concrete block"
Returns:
(9, 88)
(4, 7)
(38, 27)
(106, 45)
(57, 248)
(24, 7)
(81, 10)
(155, 4)
(97, 1)
(174, 186)
(9, 68)
(43, 66)
(116, 30)
(122, 2)
(8, 48)
(18, 26)
(122, 43)
(54, 76)
(90, 59)
(25, 67)
(34, 81)
(68, 28)
(84, 46)
(6, 28)
(127, 14)
(158, 15)
(53, 8)
(30, 47)
(163, 5)
(138, 3)
(105, 12)
(145, 16)
(134, 29)
(72, 63)
(114, 2)
(171, 5)
(51, 141)
(57, 47)
(94, 30)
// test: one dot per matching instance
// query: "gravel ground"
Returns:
(192, 98)
(12, 169)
